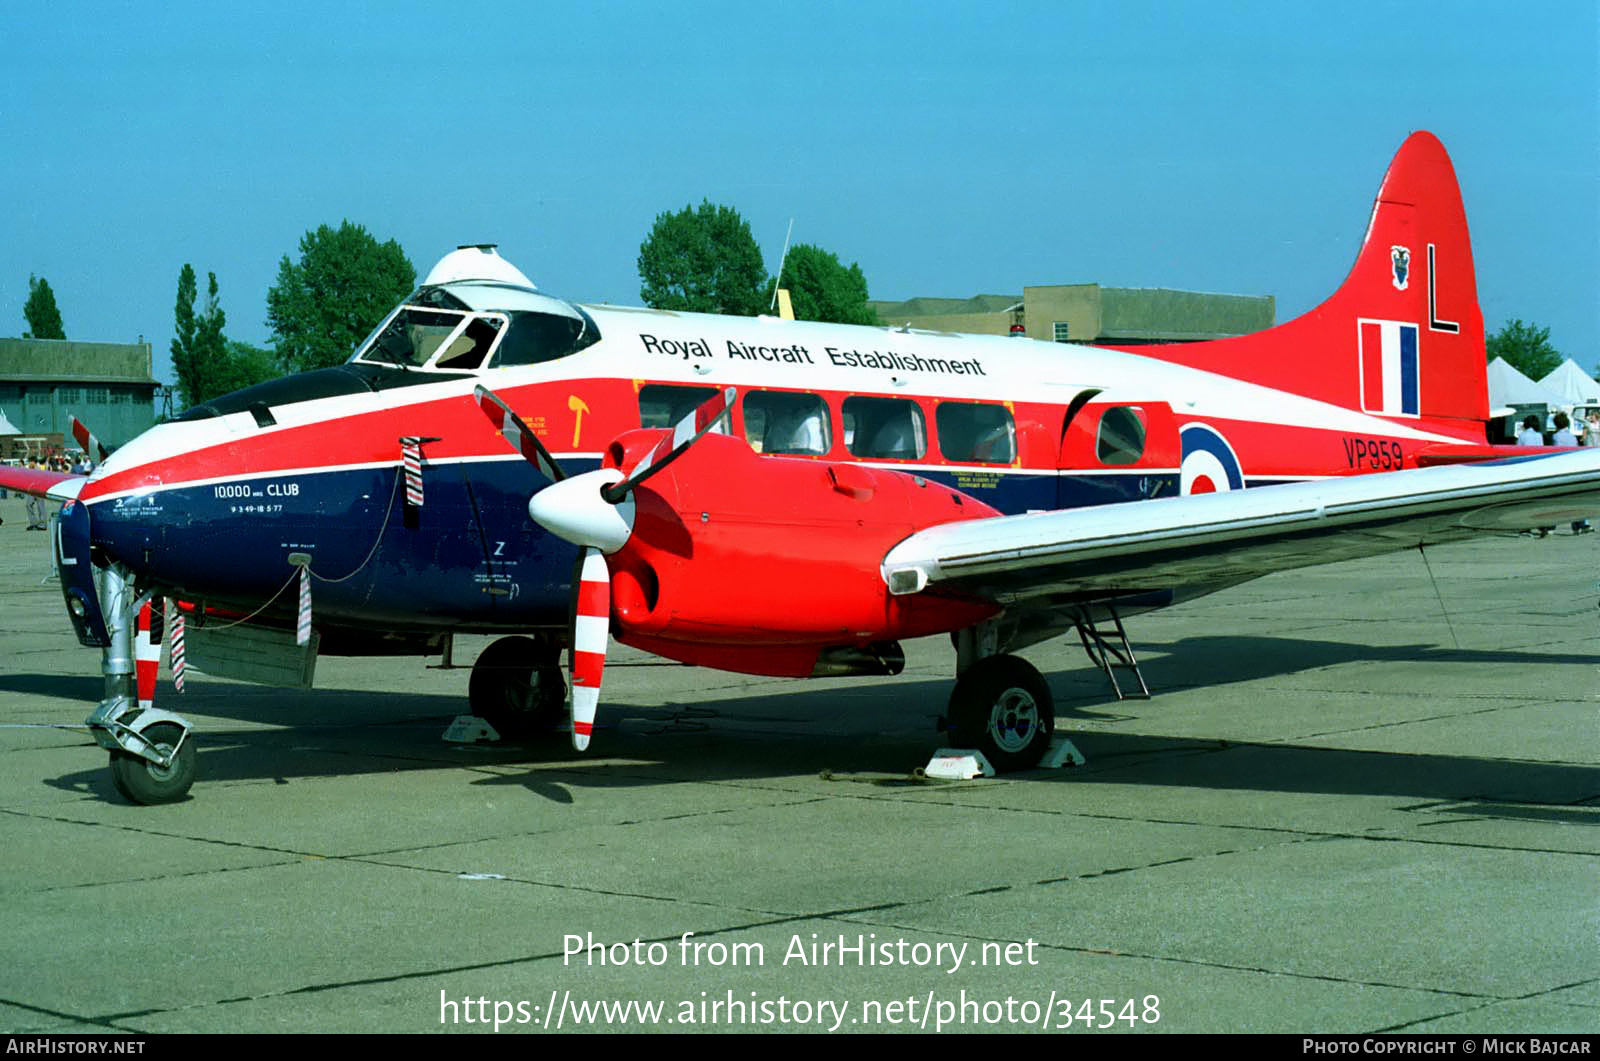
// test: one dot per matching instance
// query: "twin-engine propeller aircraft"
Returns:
(790, 498)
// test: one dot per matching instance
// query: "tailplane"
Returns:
(1403, 335)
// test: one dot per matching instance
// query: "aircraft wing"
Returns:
(1225, 538)
(57, 486)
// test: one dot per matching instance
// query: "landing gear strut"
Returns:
(517, 687)
(152, 753)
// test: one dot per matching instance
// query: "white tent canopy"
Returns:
(7, 427)
(1507, 386)
(1575, 385)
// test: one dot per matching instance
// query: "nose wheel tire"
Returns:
(142, 781)
(517, 686)
(1002, 707)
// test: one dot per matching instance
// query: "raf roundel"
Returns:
(1209, 465)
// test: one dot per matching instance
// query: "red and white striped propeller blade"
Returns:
(685, 433)
(514, 431)
(591, 634)
(86, 441)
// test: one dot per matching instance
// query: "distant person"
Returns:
(36, 520)
(1565, 437)
(1591, 435)
(1532, 437)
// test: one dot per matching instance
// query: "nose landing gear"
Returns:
(152, 753)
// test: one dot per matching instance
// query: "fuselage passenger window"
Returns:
(775, 422)
(1120, 439)
(983, 434)
(663, 405)
(891, 428)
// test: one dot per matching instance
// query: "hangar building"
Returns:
(108, 386)
(1089, 313)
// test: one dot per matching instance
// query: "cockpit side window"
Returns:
(468, 347)
(535, 338)
(411, 337)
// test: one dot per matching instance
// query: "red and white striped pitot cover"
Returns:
(302, 634)
(175, 658)
(411, 457)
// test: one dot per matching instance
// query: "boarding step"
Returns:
(1107, 646)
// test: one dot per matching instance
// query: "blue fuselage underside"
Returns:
(468, 559)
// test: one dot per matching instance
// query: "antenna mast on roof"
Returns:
(777, 281)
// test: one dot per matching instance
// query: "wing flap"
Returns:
(1228, 537)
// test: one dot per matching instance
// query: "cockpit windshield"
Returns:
(437, 330)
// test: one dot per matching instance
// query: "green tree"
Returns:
(821, 288)
(210, 347)
(243, 365)
(702, 260)
(344, 284)
(1526, 347)
(185, 365)
(206, 362)
(44, 319)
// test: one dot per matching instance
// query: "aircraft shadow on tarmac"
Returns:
(840, 727)
(1186, 663)
(1209, 661)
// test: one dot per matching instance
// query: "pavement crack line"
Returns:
(1486, 1003)
(422, 974)
(138, 830)
(1204, 964)
(101, 1022)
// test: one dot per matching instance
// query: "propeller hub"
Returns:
(574, 510)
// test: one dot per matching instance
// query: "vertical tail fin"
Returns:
(1403, 335)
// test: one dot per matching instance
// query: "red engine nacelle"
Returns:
(771, 565)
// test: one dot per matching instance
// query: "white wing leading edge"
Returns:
(1225, 538)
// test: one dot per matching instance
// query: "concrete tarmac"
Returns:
(1361, 800)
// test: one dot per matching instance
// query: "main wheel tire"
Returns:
(517, 687)
(1002, 707)
(142, 781)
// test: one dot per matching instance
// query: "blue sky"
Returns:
(949, 148)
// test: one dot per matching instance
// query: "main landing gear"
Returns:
(517, 686)
(1001, 704)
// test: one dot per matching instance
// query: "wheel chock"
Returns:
(1062, 752)
(470, 729)
(957, 764)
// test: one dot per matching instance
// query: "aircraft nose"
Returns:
(573, 510)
